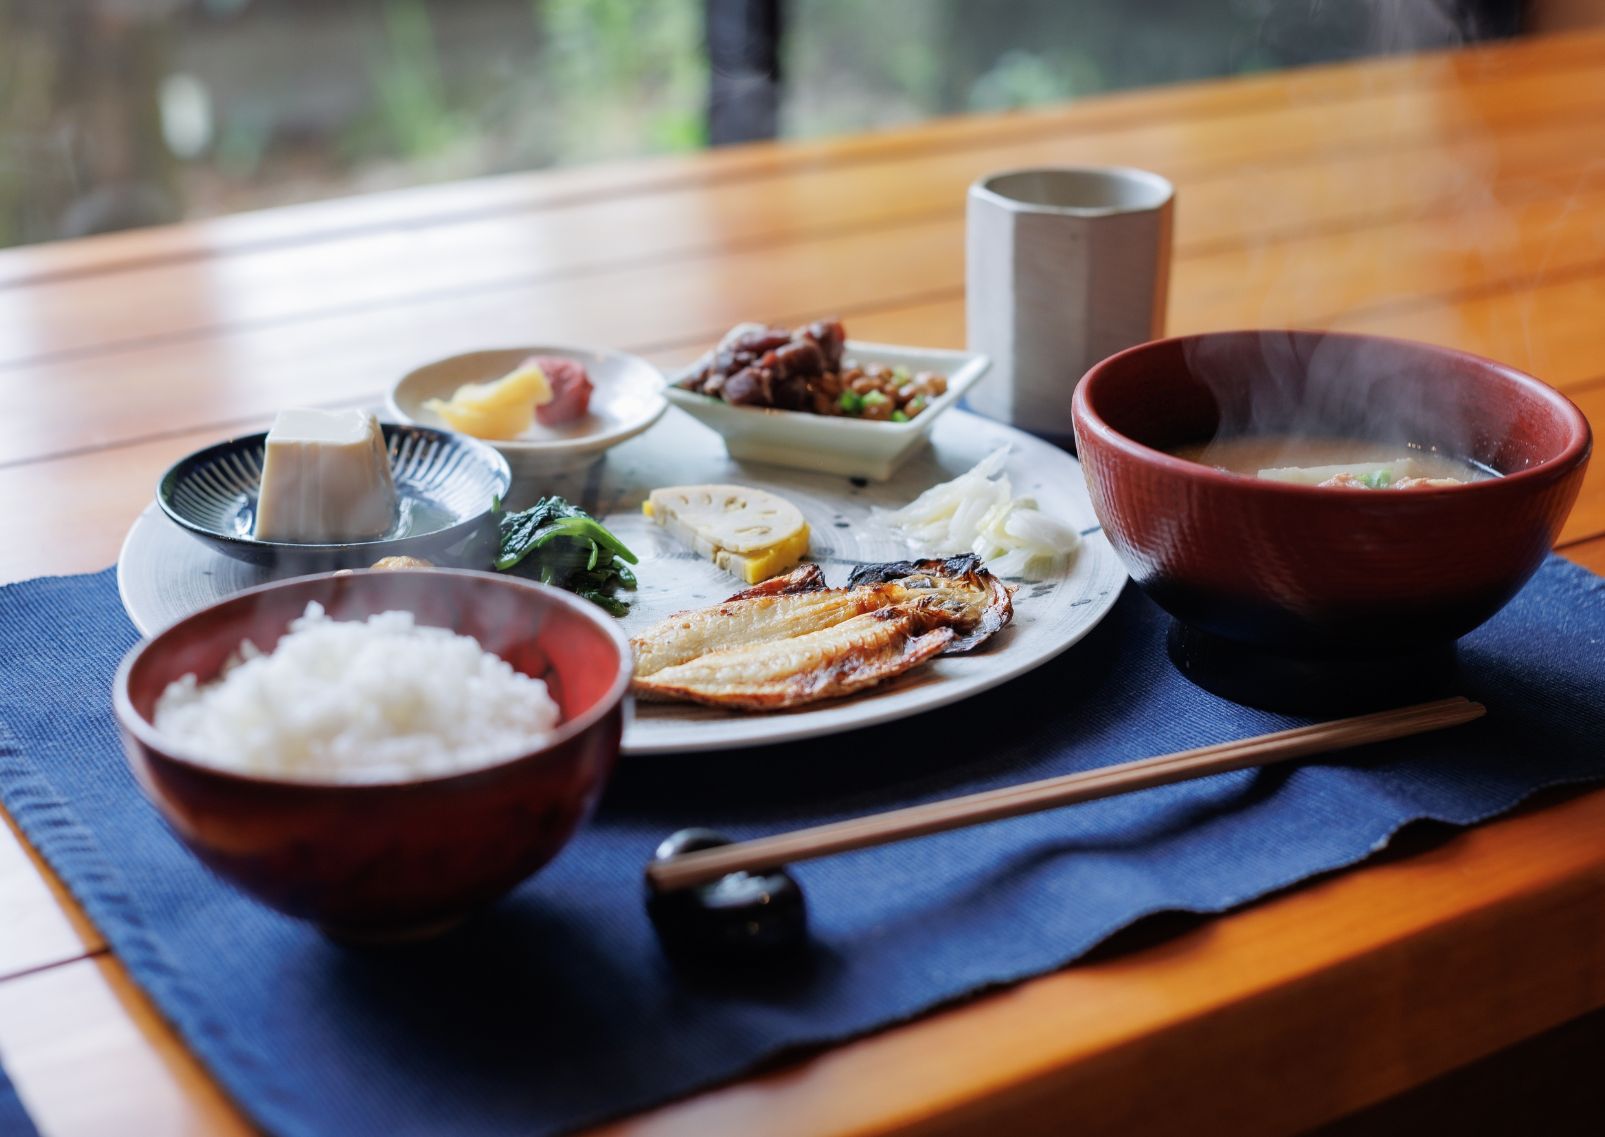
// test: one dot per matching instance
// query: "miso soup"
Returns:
(1344, 462)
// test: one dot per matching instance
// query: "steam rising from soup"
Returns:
(1340, 411)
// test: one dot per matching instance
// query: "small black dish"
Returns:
(445, 484)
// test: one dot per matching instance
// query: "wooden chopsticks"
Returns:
(708, 865)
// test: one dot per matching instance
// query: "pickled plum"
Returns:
(571, 390)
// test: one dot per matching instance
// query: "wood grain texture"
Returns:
(1456, 198)
(1532, 230)
(1231, 201)
(43, 926)
(89, 1056)
(1590, 554)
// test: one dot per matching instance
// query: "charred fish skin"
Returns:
(841, 660)
(965, 564)
(804, 578)
(992, 600)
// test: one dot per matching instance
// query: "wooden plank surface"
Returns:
(1456, 198)
(1392, 164)
(42, 925)
(259, 350)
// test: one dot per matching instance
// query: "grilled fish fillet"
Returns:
(799, 603)
(854, 654)
(770, 646)
(755, 620)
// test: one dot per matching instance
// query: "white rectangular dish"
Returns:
(832, 444)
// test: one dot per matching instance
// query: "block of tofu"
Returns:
(325, 479)
(747, 532)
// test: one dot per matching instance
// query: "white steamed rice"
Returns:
(359, 701)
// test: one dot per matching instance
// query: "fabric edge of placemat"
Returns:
(49, 824)
(15, 1121)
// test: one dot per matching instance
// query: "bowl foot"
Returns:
(1312, 684)
(381, 936)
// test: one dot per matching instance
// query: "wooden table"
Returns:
(1456, 198)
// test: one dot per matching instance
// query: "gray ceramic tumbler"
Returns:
(1064, 267)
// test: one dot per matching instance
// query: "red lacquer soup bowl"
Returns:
(401, 858)
(1318, 570)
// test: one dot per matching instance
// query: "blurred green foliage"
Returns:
(413, 110)
(647, 61)
(315, 98)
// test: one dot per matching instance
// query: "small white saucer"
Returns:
(628, 398)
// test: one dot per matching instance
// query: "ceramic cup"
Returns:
(1064, 267)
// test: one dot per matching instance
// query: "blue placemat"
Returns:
(14, 1120)
(555, 1009)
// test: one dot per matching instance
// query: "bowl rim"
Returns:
(145, 730)
(970, 367)
(595, 441)
(1577, 448)
(496, 461)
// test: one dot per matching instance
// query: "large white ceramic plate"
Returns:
(164, 573)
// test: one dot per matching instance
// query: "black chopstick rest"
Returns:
(739, 918)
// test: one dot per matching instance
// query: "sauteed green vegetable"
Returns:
(558, 543)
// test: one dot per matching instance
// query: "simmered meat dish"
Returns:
(804, 370)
